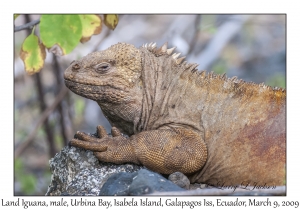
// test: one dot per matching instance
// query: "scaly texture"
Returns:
(216, 130)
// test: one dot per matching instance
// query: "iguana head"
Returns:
(112, 78)
(106, 76)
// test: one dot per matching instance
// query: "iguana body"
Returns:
(216, 130)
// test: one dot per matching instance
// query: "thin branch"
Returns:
(60, 108)
(279, 190)
(27, 25)
(195, 36)
(19, 150)
(42, 104)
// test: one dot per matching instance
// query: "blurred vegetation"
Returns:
(27, 180)
(255, 51)
(278, 80)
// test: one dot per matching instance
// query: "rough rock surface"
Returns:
(78, 172)
(118, 184)
(180, 179)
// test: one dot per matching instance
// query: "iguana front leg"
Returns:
(164, 150)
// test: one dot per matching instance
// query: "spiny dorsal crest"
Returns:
(163, 50)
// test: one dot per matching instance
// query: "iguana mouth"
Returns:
(69, 82)
(82, 87)
(81, 83)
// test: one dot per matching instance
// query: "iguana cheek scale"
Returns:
(214, 129)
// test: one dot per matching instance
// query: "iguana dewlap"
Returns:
(214, 129)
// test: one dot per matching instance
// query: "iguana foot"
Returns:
(165, 150)
(115, 149)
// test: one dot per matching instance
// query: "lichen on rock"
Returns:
(78, 172)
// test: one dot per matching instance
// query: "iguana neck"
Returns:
(126, 114)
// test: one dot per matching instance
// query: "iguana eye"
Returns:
(102, 67)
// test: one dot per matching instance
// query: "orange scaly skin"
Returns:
(215, 130)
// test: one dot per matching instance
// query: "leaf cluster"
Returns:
(60, 34)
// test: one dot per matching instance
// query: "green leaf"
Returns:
(91, 25)
(111, 21)
(33, 54)
(60, 33)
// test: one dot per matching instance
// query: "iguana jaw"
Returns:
(101, 93)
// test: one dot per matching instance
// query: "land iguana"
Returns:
(214, 129)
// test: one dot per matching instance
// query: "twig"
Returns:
(44, 116)
(197, 31)
(42, 104)
(27, 25)
(279, 190)
(57, 72)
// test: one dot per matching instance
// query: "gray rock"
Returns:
(78, 172)
(138, 183)
(118, 184)
(180, 180)
(147, 182)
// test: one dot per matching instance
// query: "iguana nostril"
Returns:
(76, 67)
